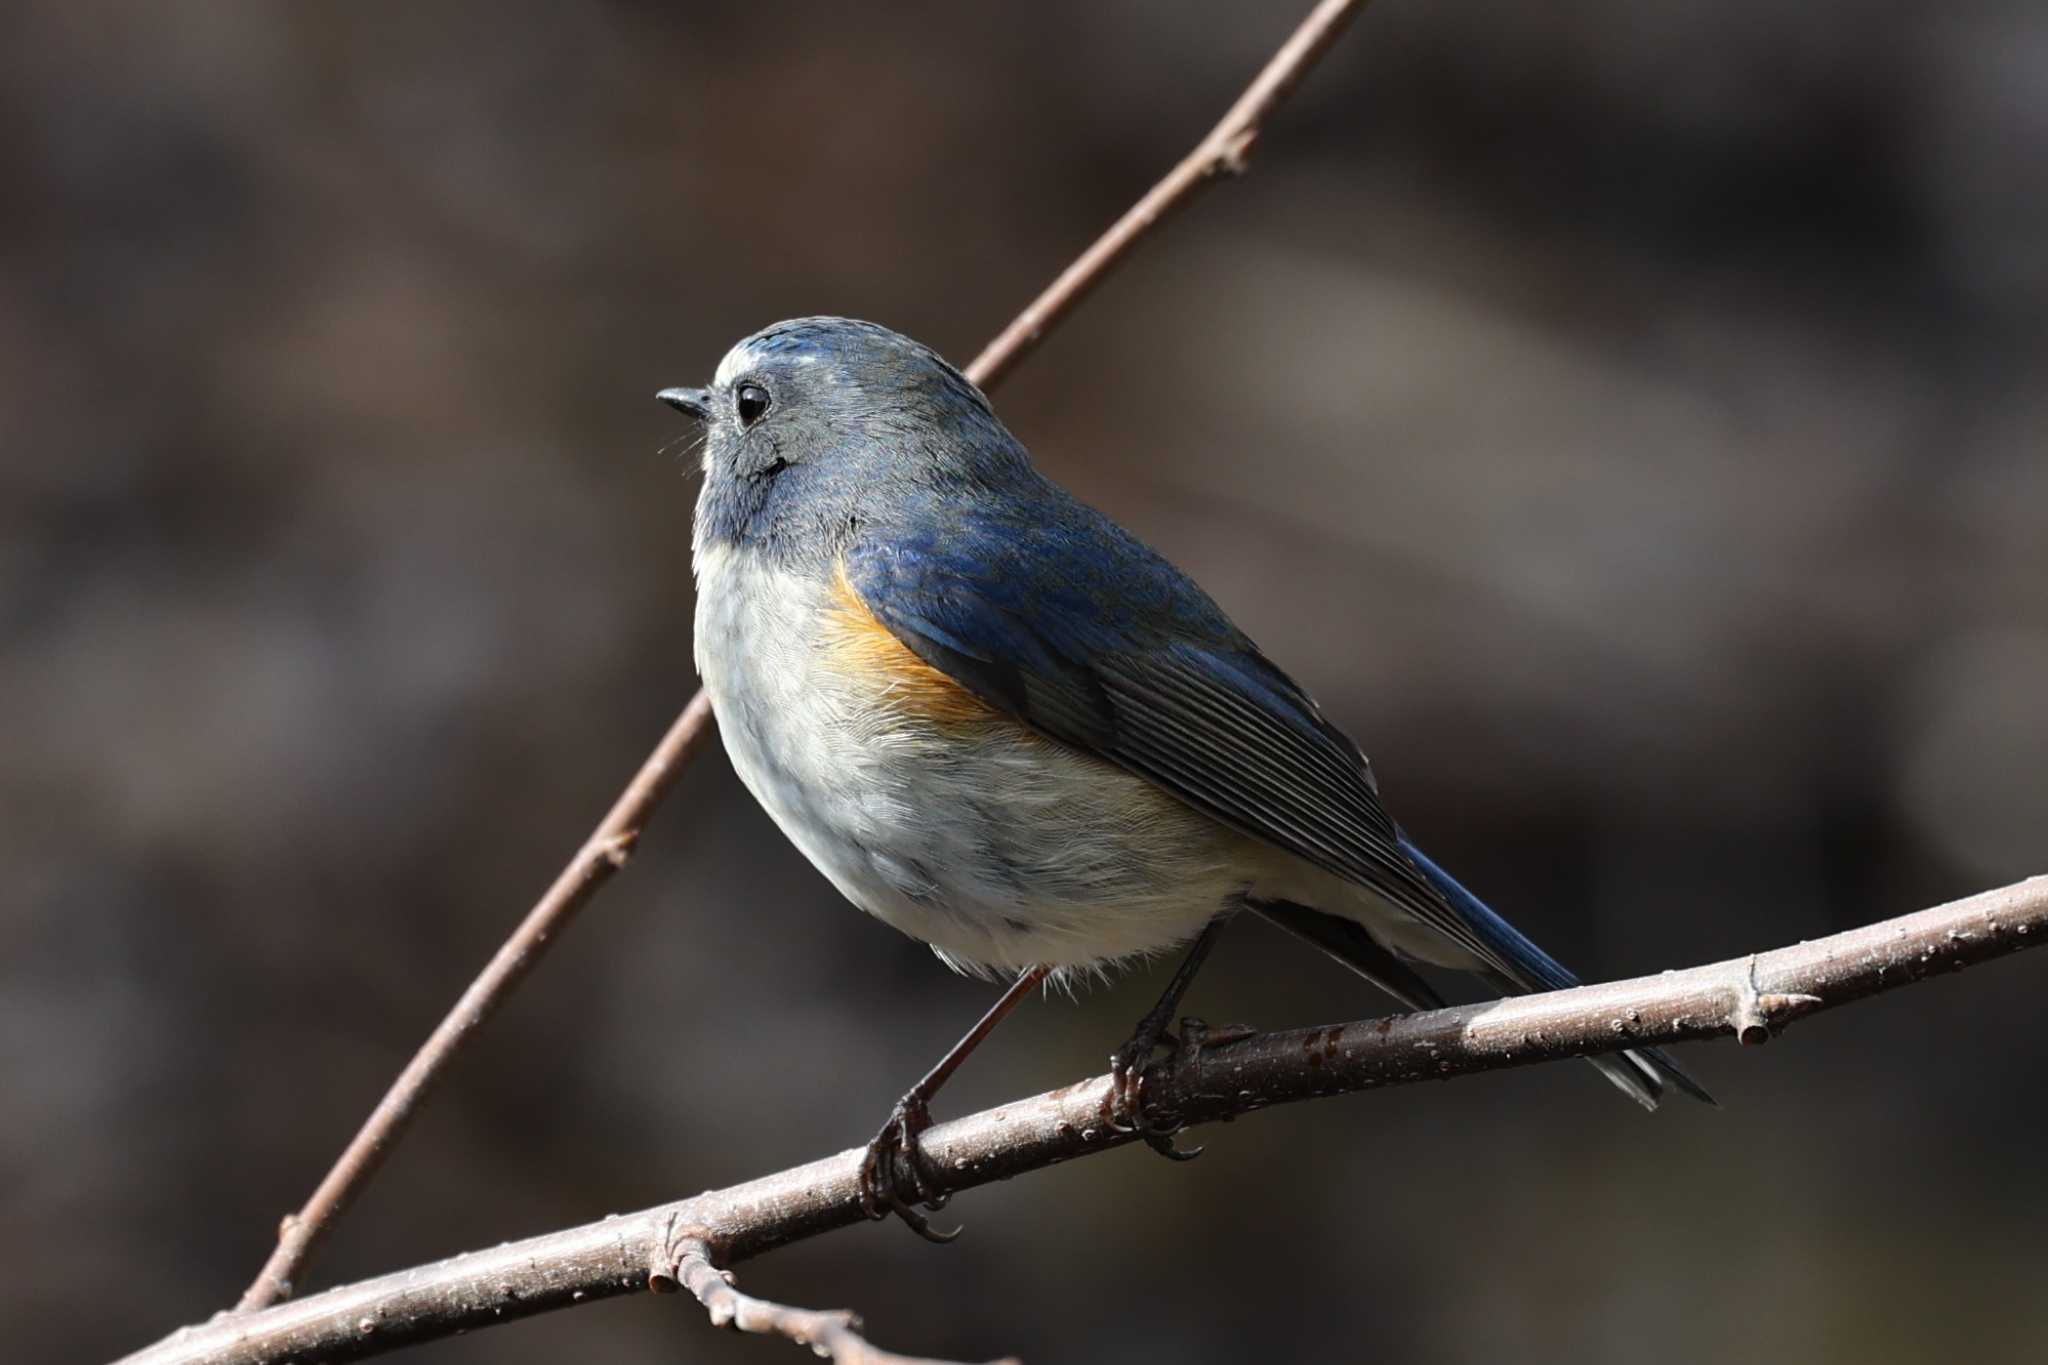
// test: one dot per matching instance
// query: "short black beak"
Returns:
(695, 402)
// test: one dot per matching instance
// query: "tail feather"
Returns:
(1347, 941)
(1519, 967)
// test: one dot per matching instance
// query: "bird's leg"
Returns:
(1127, 1065)
(883, 1178)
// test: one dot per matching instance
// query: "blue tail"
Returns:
(1520, 967)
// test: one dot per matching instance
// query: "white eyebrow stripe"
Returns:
(741, 358)
(737, 359)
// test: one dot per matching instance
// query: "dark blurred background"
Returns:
(1629, 419)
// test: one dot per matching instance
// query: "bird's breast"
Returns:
(927, 807)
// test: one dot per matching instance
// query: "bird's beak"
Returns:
(695, 402)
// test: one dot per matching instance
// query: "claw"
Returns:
(922, 1225)
(1132, 1063)
(1128, 1066)
(1162, 1143)
(882, 1179)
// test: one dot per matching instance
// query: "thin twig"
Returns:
(605, 852)
(687, 1261)
(1225, 149)
(1755, 997)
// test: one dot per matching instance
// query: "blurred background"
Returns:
(1629, 420)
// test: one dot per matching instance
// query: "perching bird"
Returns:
(999, 722)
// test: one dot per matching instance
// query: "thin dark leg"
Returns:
(880, 1178)
(1128, 1063)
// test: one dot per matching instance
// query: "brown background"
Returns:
(1629, 419)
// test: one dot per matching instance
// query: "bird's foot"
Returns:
(892, 1172)
(1128, 1066)
(1132, 1062)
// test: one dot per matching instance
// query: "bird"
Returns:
(999, 722)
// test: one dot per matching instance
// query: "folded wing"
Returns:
(1091, 638)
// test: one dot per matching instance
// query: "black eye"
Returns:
(750, 401)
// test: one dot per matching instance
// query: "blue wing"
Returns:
(1055, 615)
(1060, 618)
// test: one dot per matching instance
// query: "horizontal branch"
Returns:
(1210, 1078)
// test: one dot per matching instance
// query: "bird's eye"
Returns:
(750, 401)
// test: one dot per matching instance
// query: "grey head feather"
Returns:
(859, 420)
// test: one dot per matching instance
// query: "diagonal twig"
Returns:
(1226, 148)
(1225, 151)
(603, 853)
(1753, 997)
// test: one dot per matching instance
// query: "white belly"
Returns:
(997, 847)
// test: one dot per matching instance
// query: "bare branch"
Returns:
(834, 1333)
(1226, 148)
(1209, 1079)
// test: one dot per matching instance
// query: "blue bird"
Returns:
(1000, 723)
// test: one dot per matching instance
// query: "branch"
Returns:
(606, 851)
(835, 1334)
(1207, 1080)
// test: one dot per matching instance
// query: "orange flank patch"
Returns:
(860, 646)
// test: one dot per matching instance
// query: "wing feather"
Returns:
(1064, 632)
